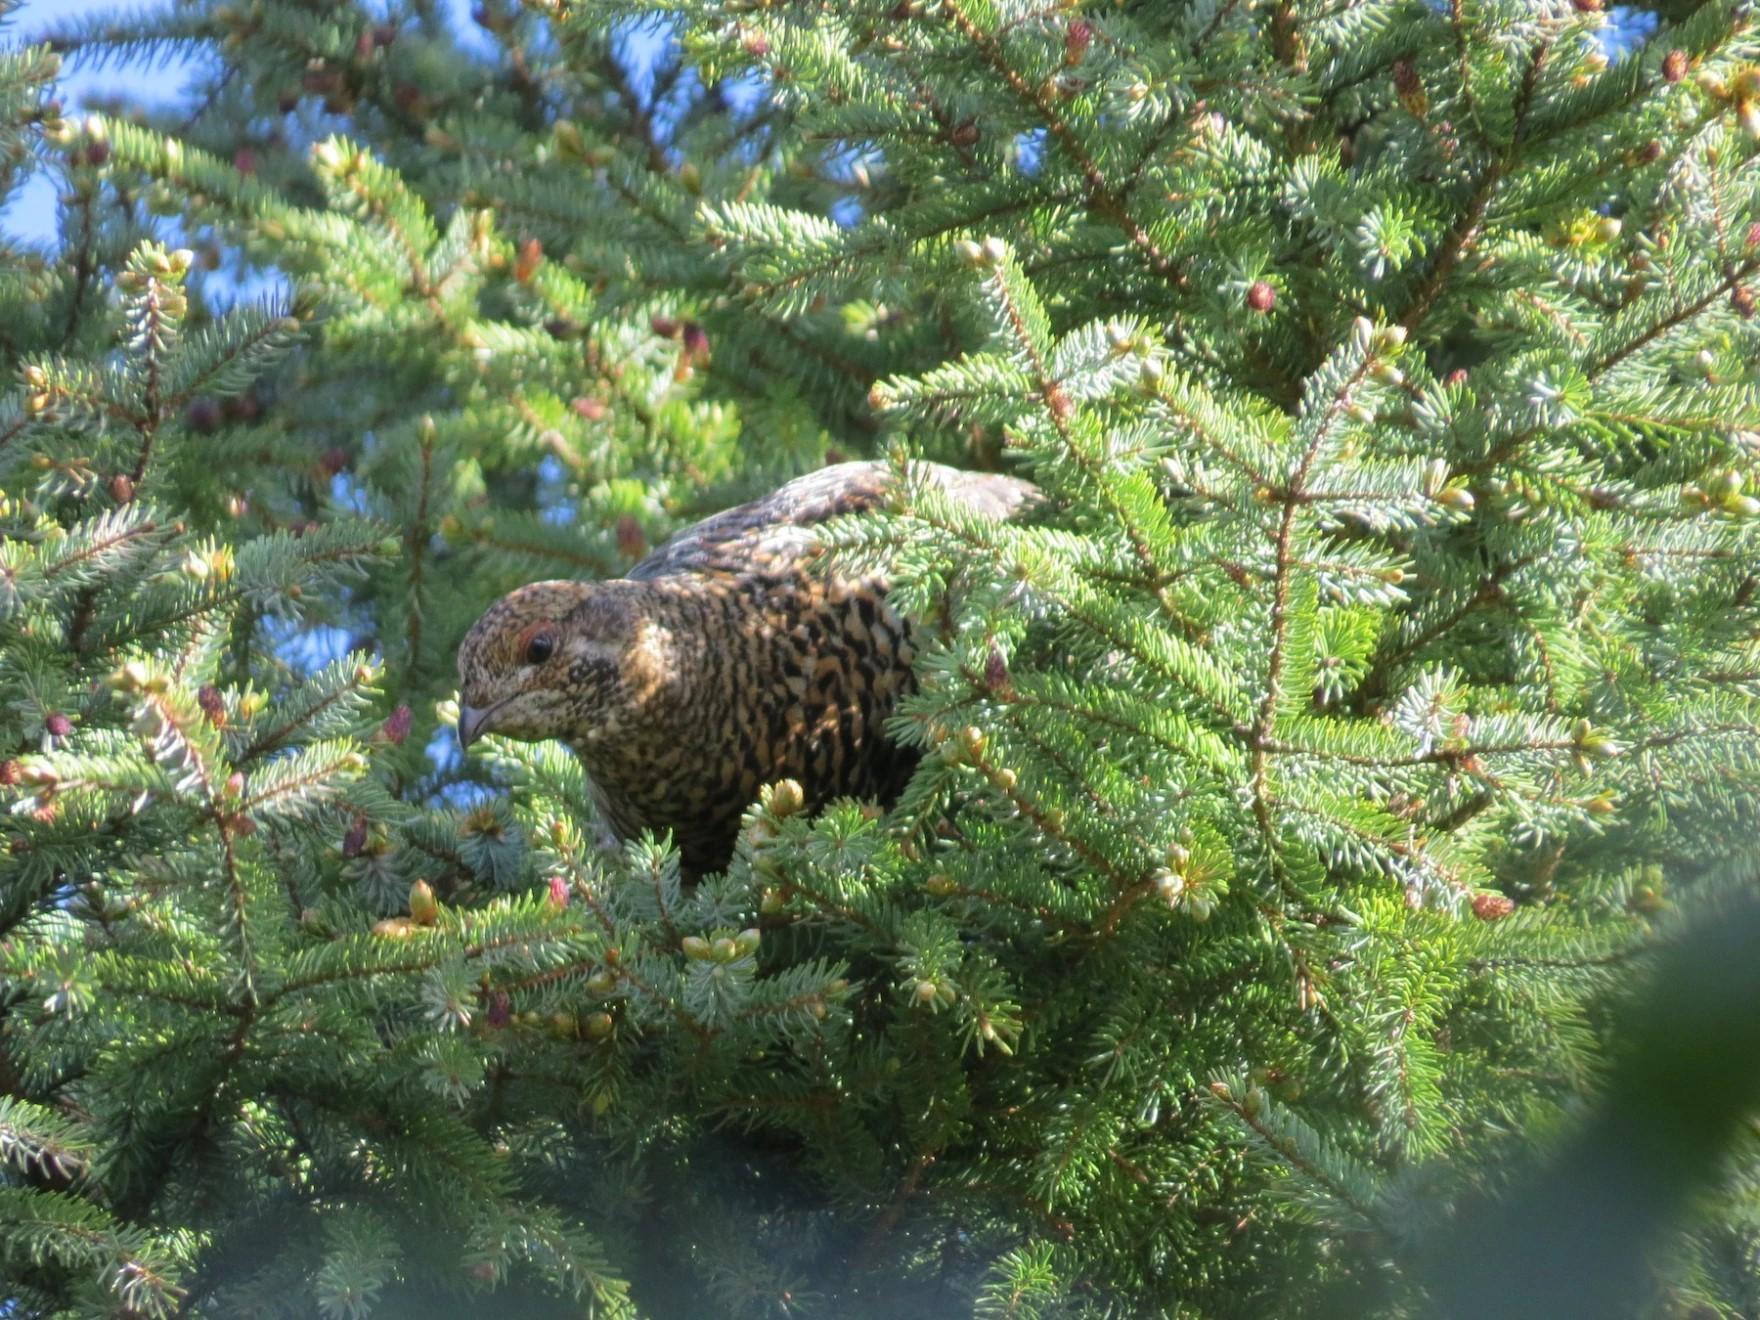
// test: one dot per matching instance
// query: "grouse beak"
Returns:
(472, 724)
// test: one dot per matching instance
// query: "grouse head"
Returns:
(555, 660)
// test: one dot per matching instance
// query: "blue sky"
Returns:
(30, 215)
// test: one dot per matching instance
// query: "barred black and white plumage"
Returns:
(720, 664)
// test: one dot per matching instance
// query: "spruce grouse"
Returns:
(720, 664)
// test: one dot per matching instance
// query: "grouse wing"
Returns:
(776, 531)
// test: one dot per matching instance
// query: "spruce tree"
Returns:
(1302, 781)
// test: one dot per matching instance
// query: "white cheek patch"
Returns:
(593, 648)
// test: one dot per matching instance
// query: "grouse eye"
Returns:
(540, 648)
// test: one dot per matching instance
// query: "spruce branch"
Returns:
(1344, 723)
(1281, 587)
(1679, 316)
(1103, 200)
(416, 547)
(239, 920)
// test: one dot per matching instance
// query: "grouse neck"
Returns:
(672, 662)
(674, 708)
